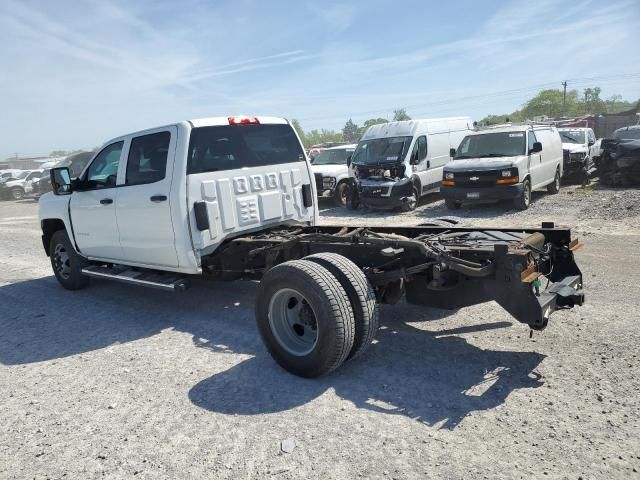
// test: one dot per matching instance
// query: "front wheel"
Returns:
(554, 187)
(341, 194)
(412, 201)
(66, 263)
(16, 193)
(523, 200)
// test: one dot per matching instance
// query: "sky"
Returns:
(75, 73)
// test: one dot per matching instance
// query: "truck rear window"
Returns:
(230, 147)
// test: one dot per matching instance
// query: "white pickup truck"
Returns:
(232, 197)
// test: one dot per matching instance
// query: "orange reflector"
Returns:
(448, 183)
(507, 180)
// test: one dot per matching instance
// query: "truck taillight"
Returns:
(242, 120)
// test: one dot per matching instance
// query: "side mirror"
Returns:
(349, 160)
(60, 181)
(537, 147)
(591, 143)
(452, 152)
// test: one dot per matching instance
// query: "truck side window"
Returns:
(103, 171)
(147, 162)
(531, 139)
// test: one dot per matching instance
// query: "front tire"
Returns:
(452, 204)
(554, 187)
(16, 193)
(412, 202)
(305, 318)
(67, 264)
(361, 296)
(523, 200)
(341, 194)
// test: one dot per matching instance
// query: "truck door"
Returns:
(419, 162)
(93, 208)
(246, 177)
(143, 206)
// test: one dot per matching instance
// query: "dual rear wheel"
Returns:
(315, 313)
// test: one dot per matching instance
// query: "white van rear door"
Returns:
(249, 177)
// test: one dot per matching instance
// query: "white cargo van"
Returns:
(504, 162)
(396, 163)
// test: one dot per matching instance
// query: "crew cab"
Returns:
(504, 162)
(332, 174)
(577, 157)
(232, 197)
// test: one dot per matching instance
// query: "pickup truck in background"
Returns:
(231, 197)
(576, 153)
(332, 173)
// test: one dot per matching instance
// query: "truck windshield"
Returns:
(331, 157)
(572, 136)
(229, 147)
(381, 150)
(499, 144)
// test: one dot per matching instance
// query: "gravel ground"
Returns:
(117, 382)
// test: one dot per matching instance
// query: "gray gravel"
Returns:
(120, 382)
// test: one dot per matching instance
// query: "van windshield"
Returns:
(486, 145)
(572, 136)
(379, 151)
(229, 147)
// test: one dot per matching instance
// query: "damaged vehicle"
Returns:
(332, 174)
(619, 163)
(396, 163)
(232, 197)
(577, 156)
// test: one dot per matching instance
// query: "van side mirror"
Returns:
(537, 147)
(60, 181)
(591, 143)
(452, 152)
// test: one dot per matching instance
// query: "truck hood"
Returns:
(574, 148)
(14, 183)
(330, 170)
(481, 164)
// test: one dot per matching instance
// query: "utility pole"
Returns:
(564, 98)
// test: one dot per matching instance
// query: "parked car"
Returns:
(16, 189)
(228, 197)
(75, 162)
(619, 163)
(505, 162)
(577, 158)
(332, 173)
(9, 174)
(396, 163)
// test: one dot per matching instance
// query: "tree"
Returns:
(400, 115)
(549, 103)
(298, 128)
(350, 132)
(321, 136)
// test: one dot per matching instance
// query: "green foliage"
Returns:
(373, 121)
(549, 103)
(351, 132)
(400, 115)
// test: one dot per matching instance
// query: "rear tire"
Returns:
(523, 200)
(554, 187)
(452, 204)
(361, 296)
(305, 318)
(67, 264)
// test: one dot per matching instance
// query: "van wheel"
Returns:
(554, 187)
(341, 194)
(361, 296)
(305, 318)
(452, 204)
(412, 201)
(523, 200)
(66, 263)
